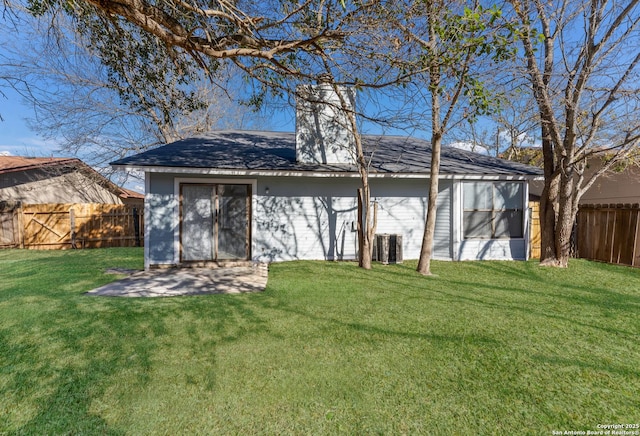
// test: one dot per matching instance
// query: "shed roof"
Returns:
(13, 164)
(10, 164)
(276, 151)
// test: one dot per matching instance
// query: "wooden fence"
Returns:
(609, 233)
(59, 226)
(534, 230)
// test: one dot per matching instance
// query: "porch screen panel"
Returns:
(233, 222)
(197, 222)
(509, 209)
(493, 210)
(442, 235)
(478, 205)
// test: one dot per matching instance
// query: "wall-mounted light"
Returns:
(266, 190)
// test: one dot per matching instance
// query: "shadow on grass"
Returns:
(547, 293)
(378, 331)
(510, 287)
(67, 356)
(59, 367)
(529, 280)
(61, 352)
(602, 366)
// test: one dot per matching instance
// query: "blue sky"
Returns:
(15, 136)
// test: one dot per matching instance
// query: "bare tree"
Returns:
(276, 43)
(516, 128)
(582, 63)
(100, 102)
(360, 62)
(510, 132)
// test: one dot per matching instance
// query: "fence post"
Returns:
(20, 224)
(72, 225)
(636, 237)
(136, 225)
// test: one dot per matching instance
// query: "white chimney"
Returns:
(323, 132)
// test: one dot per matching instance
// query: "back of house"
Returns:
(274, 196)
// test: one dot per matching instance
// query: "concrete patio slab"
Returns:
(187, 281)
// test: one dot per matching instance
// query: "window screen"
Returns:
(493, 210)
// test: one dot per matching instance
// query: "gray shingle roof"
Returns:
(275, 151)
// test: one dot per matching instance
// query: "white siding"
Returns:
(311, 218)
(305, 218)
(403, 215)
(493, 249)
(402, 209)
(315, 218)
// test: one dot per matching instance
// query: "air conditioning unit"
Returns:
(388, 248)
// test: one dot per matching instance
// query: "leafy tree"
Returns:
(276, 43)
(454, 42)
(209, 30)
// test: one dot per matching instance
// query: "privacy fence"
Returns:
(59, 226)
(534, 233)
(609, 233)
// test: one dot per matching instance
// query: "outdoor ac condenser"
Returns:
(388, 248)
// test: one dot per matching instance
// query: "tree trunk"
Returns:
(366, 223)
(365, 240)
(424, 264)
(566, 217)
(365, 257)
(548, 200)
(366, 227)
(563, 238)
(547, 227)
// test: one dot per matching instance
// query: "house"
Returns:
(58, 180)
(273, 196)
(615, 187)
(618, 185)
(612, 187)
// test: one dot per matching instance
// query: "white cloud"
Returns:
(523, 140)
(5, 153)
(31, 146)
(469, 146)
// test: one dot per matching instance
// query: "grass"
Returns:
(481, 348)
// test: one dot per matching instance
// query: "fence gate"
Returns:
(82, 225)
(10, 235)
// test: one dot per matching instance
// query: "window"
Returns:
(493, 210)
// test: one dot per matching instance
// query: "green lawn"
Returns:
(480, 348)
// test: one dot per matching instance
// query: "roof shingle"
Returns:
(275, 151)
